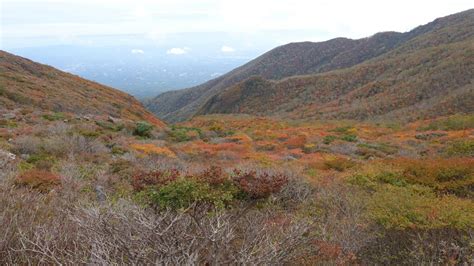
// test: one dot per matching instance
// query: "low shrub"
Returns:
(329, 139)
(143, 129)
(54, 116)
(259, 185)
(213, 175)
(382, 147)
(152, 149)
(27, 145)
(141, 181)
(367, 153)
(180, 134)
(461, 148)
(110, 126)
(41, 161)
(349, 138)
(41, 180)
(418, 207)
(344, 129)
(391, 178)
(443, 246)
(220, 131)
(310, 148)
(184, 192)
(453, 176)
(455, 122)
(296, 142)
(339, 164)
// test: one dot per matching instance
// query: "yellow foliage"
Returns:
(153, 149)
(418, 207)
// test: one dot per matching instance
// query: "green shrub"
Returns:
(89, 133)
(349, 138)
(110, 126)
(342, 129)
(391, 178)
(369, 181)
(41, 161)
(118, 150)
(461, 148)
(186, 191)
(221, 132)
(455, 122)
(329, 139)
(180, 134)
(54, 116)
(417, 207)
(453, 174)
(143, 129)
(383, 147)
(362, 180)
(339, 164)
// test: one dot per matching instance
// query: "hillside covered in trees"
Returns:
(388, 75)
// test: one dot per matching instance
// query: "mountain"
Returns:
(24, 83)
(388, 75)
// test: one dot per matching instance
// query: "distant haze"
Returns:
(145, 47)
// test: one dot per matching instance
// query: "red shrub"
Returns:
(213, 175)
(261, 185)
(39, 179)
(296, 142)
(159, 177)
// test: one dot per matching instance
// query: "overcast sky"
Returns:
(24, 22)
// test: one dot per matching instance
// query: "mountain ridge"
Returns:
(308, 58)
(26, 83)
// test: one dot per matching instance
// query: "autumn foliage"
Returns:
(39, 179)
(143, 180)
(259, 185)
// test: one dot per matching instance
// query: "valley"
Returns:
(345, 152)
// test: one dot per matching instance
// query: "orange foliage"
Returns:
(153, 149)
(296, 142)
(203, 148)
(38, 179)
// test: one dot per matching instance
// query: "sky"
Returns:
(79, 22)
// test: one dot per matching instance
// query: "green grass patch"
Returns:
(54, 116)
(461, 148)
(455, 122)
(181, 134)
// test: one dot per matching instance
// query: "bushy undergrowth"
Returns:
(38, 179)
(423, 194)
(89, 191)
(455, 122)
(143, 129)
(56, 231)
(461, 148)
(213, 186)
(180, 134)
(339, 164)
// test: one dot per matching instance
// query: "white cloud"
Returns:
(137, 51)
(158, 19)
(178, 51)
(227, 49)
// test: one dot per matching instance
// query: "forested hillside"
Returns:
(337, 74)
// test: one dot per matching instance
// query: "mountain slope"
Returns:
(26, 83)
(312, 58)
(425, 83)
